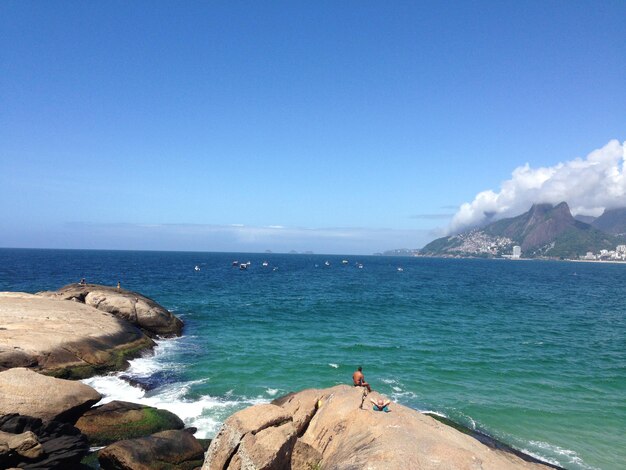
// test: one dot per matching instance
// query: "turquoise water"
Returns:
(532, 353)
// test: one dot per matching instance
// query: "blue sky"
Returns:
(336, 127)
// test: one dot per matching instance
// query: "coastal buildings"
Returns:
(477, 242)
(619, 254)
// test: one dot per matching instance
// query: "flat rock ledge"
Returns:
(29, 393)
(135, 308)
(336, 428)
(64, 339)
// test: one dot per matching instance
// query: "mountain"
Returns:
(612, 221)
(588, 219)
(543, 231)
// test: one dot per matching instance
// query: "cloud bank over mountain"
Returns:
(589, 185)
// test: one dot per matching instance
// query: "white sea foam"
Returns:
(205, 412)
(396, 389)
(431, 412)
(271, 391)
(334, 366)
(389, 381)
(571, 456)
(472, 422)
(401, 395)
(543, 458)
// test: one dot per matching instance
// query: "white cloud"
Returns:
(588, 185)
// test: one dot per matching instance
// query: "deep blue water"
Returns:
(531, 352)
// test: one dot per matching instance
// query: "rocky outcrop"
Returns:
(119, 420)
(135, 308)
(24, 445)
(29, 393)
(52, 445)
(66, 339)
(333, 428)
(163, 450)
(250, 421)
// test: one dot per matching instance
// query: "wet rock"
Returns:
(163, 450)
(118, 420)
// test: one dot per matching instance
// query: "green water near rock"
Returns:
(532, 353)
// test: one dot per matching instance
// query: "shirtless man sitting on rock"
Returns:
(359, 379)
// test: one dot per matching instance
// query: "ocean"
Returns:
(532, 353)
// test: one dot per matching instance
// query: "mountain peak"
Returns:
(612, 221)
(545, 230)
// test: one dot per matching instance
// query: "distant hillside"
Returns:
(543, 231)
(400, 252)
(588, 219)
(612, 221)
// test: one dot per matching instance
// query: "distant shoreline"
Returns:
(522, 259)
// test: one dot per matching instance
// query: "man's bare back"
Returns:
(359, 379)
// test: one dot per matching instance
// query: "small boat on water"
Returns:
(359, 265)
(235, 263)
(243, 266)
(327, 263)
(196, 268)
(265, 263)
(400, 270)
(345, 261)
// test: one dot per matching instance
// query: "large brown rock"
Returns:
(300, 406)
(119, 420)
(304, 456)
(135, 308)
(29, 393)
(249, 421)
(62, 338)
(268, 449)
(341, 434)
(163, 450)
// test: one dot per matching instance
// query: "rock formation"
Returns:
(62, 338)
(52, 445)
(167, 449)
(24, 444)
(29, 393)
(135, 308)
(118, 420)
(334, 428)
